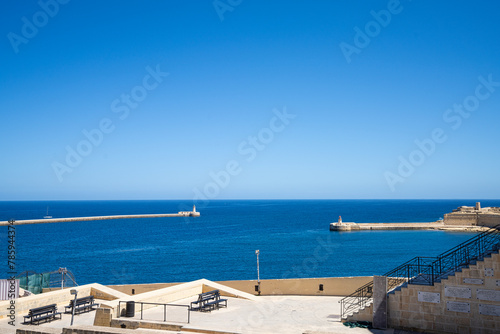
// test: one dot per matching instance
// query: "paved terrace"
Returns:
(266, 314)
(245, 313)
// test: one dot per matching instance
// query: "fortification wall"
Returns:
(463, 219)
(489, 220)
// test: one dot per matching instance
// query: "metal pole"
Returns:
(141, 310)
(258, 271)
(165, 312)
(73, 292)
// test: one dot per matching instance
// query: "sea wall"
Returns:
(489, 220)
(332, 286)
(463, 219)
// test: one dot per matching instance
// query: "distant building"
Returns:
(473, 216)
(193, 213)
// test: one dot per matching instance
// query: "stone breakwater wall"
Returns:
(439, 225)
(80, 219)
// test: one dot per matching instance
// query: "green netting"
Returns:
(34, 282)
(360, 324)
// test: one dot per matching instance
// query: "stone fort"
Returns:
(473, 216)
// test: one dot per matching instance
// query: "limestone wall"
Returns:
(38, 330)
(460, 219)
(332, 286)
(489, 220)
(468, 302)
(60, 297)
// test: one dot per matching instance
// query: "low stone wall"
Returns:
(24, 304)
(135, 324)
(139, 324)
(105, 330)
(332, 286)
(59, 297)
(39, 330)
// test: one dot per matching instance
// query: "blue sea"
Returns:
(292, 235)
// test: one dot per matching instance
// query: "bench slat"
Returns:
(207, 301)
(37, 314)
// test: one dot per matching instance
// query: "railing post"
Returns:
(141, 309)
(440, 267)
(165, 312)
(341, 309)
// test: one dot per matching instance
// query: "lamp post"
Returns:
(73, 292)
(258, 271)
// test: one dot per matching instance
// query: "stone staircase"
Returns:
(403, 301)
(424, 271)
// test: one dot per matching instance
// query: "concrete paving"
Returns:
(266, 314)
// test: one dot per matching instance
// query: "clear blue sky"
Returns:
(249, 99)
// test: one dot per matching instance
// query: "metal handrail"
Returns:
(164, 308)
(427, 270)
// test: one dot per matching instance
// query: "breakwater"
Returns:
(80, 219)
(438, 225)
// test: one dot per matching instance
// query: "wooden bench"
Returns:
(47, 313)
(208, 301)
(85, 304)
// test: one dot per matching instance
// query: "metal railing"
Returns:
(427, 270)
(157, 304)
